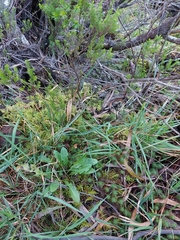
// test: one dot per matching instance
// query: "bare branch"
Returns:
(162, 30)
(173, 39)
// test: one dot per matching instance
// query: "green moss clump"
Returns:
(41, 117)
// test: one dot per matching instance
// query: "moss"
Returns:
(114, 199)
(107, 189)
(40, 116)
(100, 184)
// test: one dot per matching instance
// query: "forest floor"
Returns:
(89, 148)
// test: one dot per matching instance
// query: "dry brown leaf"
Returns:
(137, 224)
(108, 99)
(146, 194)
(167, 201)
(174, 217)
(126, 157)
(101, 225)
(134, 223)
(85, 211)
(69, 110)
(144, 224)
(131, 228)
(121, 142)
(101, 115)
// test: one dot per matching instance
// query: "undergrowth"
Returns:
(73, 164)
(68, 171)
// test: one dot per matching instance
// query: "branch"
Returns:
(173, 39)
(161, 30)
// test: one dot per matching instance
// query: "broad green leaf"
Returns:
(25, 167)
(61, 201)
(57, 155)
(73, 192)
(44, 159)
(53, 187)
(46, 192)
(64, 156)
(83, 166)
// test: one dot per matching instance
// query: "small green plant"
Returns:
(84, 164)
(62, 157)
(9, 22)
(80, 27)
(8, 76)
(33, 79)
(27, 25)
(74, 193)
